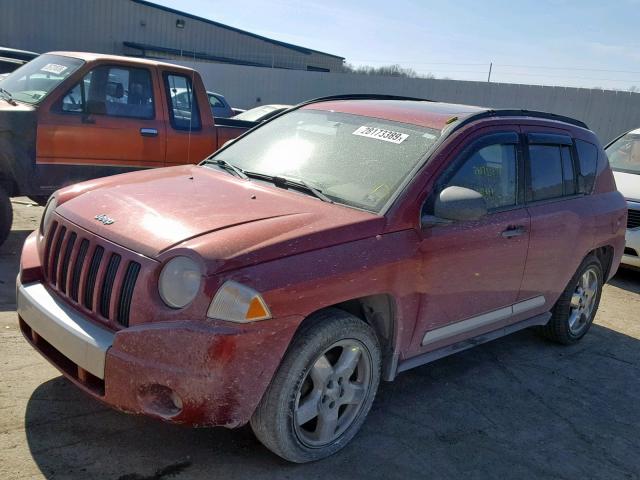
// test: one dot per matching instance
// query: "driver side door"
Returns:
(473, 269)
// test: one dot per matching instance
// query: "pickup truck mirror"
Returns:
(457, 204)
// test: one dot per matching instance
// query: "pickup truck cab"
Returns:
(344, 241)
(66, 117)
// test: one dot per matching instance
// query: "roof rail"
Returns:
(363, 96)
(512, 112)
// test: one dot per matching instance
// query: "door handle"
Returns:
(149, 132)
(88, 119)
(513, 231)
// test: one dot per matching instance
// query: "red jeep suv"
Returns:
(340, 243)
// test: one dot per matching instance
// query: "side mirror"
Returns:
(457, 204)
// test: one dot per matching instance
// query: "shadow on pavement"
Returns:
(519, 407)
(9, 266)
(627, 279)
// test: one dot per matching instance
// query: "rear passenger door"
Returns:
(556, 184)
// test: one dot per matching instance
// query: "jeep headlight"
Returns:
(47, 216)
(235, 302)
(179, 282)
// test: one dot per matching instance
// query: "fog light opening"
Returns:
(159, 400)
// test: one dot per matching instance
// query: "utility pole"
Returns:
(490, 68)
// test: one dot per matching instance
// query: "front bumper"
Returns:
(200, 373)
(631, 255)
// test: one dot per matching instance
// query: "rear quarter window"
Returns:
(587, 163)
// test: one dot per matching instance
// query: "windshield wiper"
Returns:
(6, 96)
(228, 167)
(284, 182)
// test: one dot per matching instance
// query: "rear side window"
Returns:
(183, 105)
(588, 162)
(552, 173)
(491, 171)
(545, 167)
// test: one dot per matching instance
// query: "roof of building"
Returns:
(290, 46)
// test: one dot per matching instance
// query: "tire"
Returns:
(314, 406)
(6, 215)
(573, 313)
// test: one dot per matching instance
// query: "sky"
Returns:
(578, 43)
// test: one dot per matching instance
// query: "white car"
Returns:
(624, 157)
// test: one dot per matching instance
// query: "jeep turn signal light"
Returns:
(235, 302)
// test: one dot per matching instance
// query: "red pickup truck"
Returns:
(342, 242)
(66, 117)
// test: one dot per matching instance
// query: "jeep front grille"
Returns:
(89, 274)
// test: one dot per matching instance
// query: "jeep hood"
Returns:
(209, 211)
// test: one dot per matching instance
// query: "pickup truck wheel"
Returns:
(6, 215)
(574, 311)
(323, 390)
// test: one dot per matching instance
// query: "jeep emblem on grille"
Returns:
(104, 219)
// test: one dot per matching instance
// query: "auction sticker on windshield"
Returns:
(381, 134)
(53, 68)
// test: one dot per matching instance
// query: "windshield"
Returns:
(32, 82)
(624, 153)
(355, 160)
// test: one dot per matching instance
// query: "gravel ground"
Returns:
(518, 407)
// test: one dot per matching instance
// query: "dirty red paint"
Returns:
(303, 255)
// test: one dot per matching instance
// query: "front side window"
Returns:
(112, 91)
(215, 102)
(183, 105)
(32, 82)
(491, 171)
(354, 160)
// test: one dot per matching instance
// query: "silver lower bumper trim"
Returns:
(77, 338)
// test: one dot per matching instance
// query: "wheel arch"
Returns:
(378, 311)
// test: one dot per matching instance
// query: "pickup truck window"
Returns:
(113, 91)
(183, 105)
(355, 160)
(32, 82)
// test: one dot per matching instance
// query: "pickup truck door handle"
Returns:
(513, 231)
(149, 132)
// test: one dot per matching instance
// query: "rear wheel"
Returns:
(323, 390)
(6, 215)
(574, 311)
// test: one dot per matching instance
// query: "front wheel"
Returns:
(323, 390)
(6, 215)
(576, 308)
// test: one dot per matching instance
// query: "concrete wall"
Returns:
(608, 113)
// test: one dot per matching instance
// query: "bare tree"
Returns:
(386, 70)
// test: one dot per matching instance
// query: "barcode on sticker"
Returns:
(381, 134)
